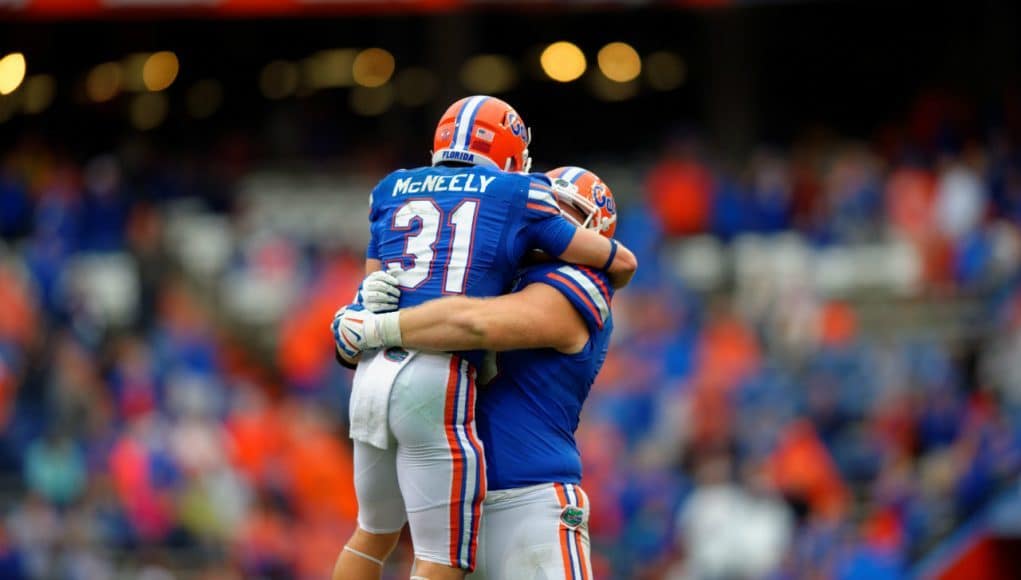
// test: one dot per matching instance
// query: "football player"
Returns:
(458, 227)
(536, 523)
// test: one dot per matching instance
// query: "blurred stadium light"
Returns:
(133, 71)
(488, 74)
(159, 70)
(328, 69)
(12, 72)
(103, 82)
(563, 61)
(373, 67)
(619, 62)
(38, 93)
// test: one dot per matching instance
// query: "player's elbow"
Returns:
(625, 262)
(624, 266)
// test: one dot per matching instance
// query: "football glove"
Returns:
(358, 330)
(379, 292)
(347, 348)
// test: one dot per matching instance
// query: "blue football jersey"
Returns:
(462, 230)
(528, 414)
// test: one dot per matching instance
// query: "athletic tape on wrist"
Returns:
(382, 330)
(390, 328)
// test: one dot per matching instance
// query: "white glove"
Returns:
(358, 330)
(380, 292)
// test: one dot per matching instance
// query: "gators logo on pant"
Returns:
(572, 516)
(395, 354)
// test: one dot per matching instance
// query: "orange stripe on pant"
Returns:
(481, 461)
(564, 532)
(582, 503)
(457, 460)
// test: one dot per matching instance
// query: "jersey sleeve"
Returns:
(588, 290)
(545, 229)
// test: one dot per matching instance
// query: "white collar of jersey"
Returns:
(463, 156)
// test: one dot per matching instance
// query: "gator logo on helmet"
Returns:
(600, 198)
(517, 127)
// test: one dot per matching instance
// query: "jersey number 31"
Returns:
(421, 245)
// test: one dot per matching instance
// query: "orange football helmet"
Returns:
(583, 190)
(483, 130)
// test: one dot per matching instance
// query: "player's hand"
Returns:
(348, 332)
(380, 292)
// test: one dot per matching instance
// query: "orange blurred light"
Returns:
(160, 70)
(563, 61)
(619, 62)
(104, 82)
(373, 67)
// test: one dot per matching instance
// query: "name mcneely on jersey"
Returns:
(466, 182)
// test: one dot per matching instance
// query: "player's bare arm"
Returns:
(588, 248)
(539, 316)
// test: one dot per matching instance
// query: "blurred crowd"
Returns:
(146, 431)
